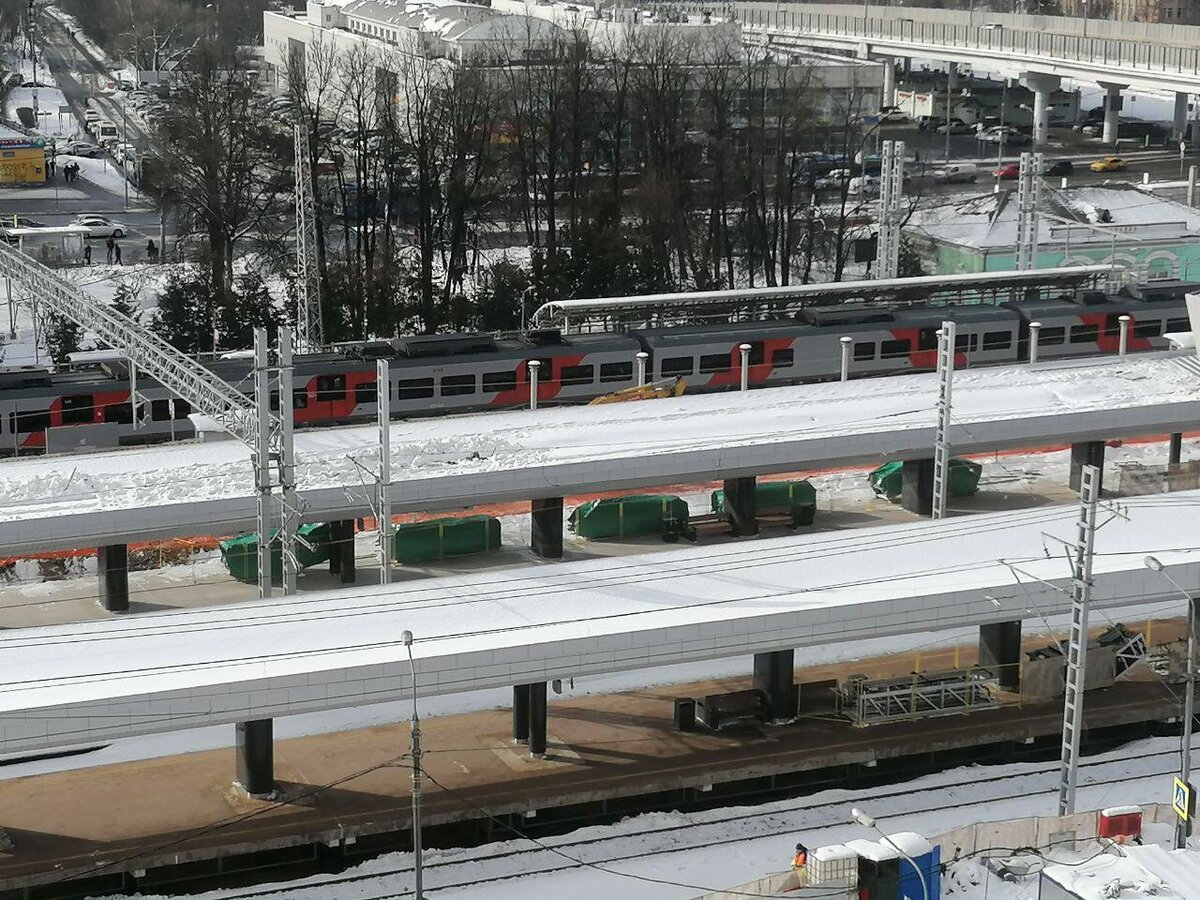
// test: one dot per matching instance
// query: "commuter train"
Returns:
(89, 405)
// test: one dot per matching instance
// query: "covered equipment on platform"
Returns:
(240, 554)
(798, 499)
(888, 479)
(419, 542)
(621, 517)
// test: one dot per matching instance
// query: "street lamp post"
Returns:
(867, 821)
(418, 888)
(1189, 691)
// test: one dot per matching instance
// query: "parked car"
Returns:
(101, 226)
(956, 173)
(833, 180)
(924, 123)
(1109, 164)
(955, 126)
(1008, 172)
(1059, 167)
(81, 148)
(891, 116)
(1006, 134)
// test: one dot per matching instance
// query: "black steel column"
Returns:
(537, 718)
(112, 563)
(346, 544)
(1176, 455)
(1000, 651)
(916, 490)
(335, 548)
(256, 757)
(1087, 453)
(774, 675)
(741, 505)
(546, 527)
(521, 713)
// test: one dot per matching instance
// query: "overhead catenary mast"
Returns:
(310, 329)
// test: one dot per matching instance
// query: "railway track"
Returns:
(558, 856)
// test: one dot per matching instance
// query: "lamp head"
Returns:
(862, 818)
(406, 637)
(1153, 564)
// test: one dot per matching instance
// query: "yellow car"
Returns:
(1109, 164)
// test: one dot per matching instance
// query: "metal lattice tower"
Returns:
(891, 189)
(947, 339)
(1028, 190)
(310, 329)
(1081, 596)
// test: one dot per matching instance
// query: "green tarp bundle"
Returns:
(240, 554)
(420, 542)
(798, 498)
(888, 479)
(629, 516)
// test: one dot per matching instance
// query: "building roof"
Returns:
(990, 220)
(1141, 872)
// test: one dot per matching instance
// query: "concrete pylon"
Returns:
(889, 82)
(1179, 121)
(1043, 86)
(1112, 110)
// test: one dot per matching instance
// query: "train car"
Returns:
(1091, 324)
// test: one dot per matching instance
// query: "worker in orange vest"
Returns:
(800, 861)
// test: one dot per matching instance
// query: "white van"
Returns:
(106, 133)
(952, 173)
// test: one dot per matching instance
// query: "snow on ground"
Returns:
(499, 441)
(107, 176)
(662, 856)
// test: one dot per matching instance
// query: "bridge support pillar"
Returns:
(1176, 453)
(1112, 110)
(1043, 86)
(521, 713)
(774, 675)
(741, 506)
(1086, 453)
(113, 565)
(1179, 121)
(1000, 651)
(538, 714)
(916, 488)
(256, 757)
(546, 528)
(889, 83)
(341, 550)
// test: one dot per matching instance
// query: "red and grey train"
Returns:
(90, 406)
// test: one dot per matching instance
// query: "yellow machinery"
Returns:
(670, 387)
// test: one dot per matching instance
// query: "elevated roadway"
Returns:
(98, 682)
(449, 463)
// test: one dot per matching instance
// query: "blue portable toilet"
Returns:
(885, 874)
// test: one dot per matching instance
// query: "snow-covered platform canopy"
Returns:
(54, 503)
(160, 672)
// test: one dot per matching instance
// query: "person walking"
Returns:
(87, 254)
(151, 251)
(110, 244)
(117, 253)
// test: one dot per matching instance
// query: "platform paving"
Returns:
(136, 815)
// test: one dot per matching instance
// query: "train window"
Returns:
(927, 339)
(365, 393)
(966, 343)
(494, 382)
(414, 388)
(166, 410)
(77, 409)
(1176, 325)
(1084, 334)
(783, 359)
(274, 401)
(1147, 328)
(299, 398)
(757, 353)
(676, 365)
(864, 350)
(714, 362)
(183, 409)
(1112, 324)
(28, 422)
(457, 385)
(1050, 336)
(894, 349)
(622, 371)
(577, 375)
(330, 388)
(997, 340)
(118, 414)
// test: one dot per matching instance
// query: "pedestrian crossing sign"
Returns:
(1182, 800)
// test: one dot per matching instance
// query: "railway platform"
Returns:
(178, 822)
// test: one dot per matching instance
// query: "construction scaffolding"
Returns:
(917, 696)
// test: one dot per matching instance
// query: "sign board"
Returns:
(1183, 800)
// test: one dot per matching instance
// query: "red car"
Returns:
(1005, 173)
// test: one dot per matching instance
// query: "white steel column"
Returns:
(1123, 341)
(262, 459)
(1081, 596)
(1028, 189)
(847, 343)
(532, 366)
(383, 493)
(947, 336)
(290, 511)
(744, 350)
(1034, 332)
(642, 356)
(891, 190)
